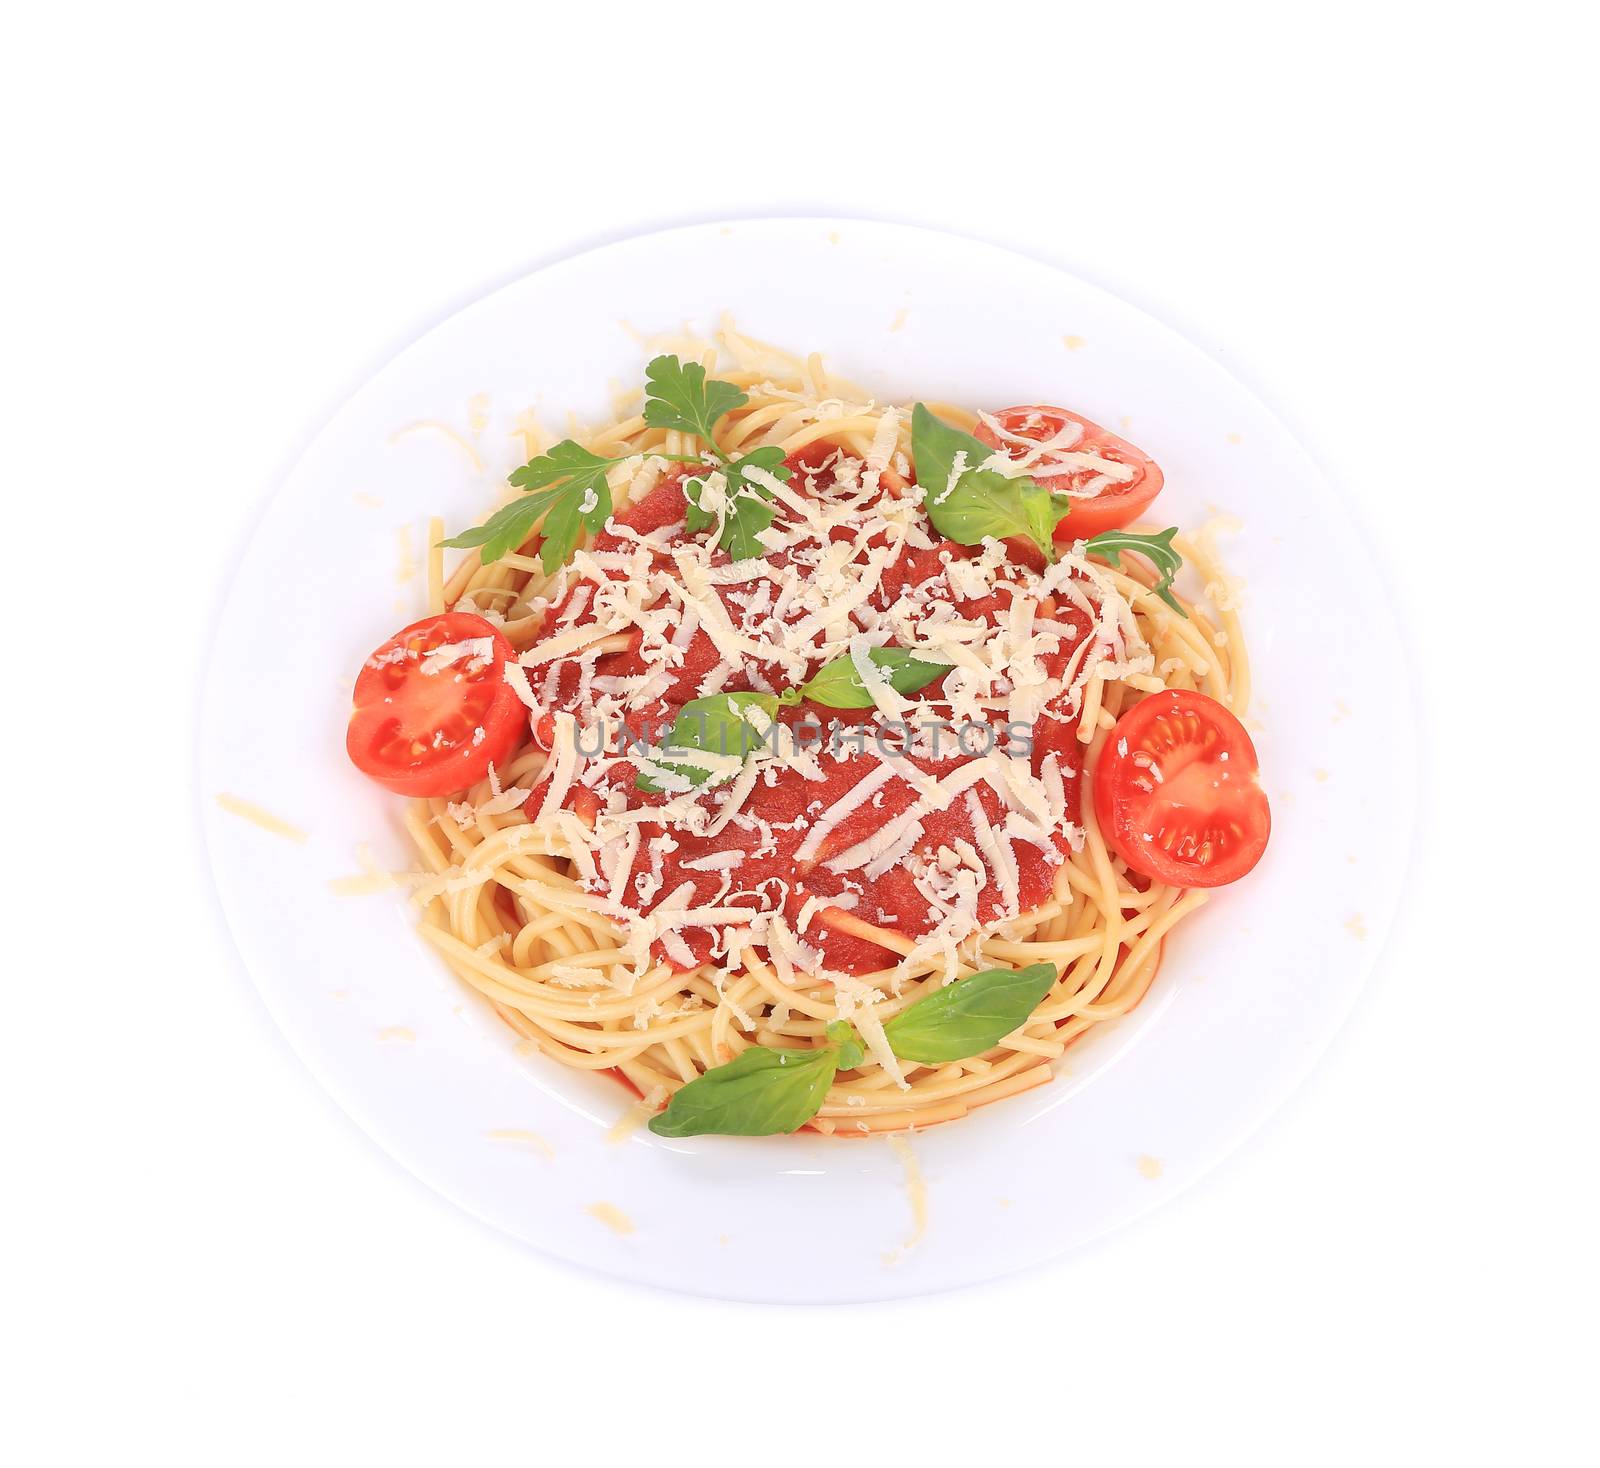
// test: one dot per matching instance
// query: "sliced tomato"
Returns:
(1112, 505)
(424, 727)
(1178, 794)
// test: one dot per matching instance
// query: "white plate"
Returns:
(1251, 989)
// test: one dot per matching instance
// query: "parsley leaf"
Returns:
(748, 504)
(838, 684)
(969, 1016)
(748, 515)
(679, 395)
(568, 488)
(982, 503)
(1156, 548)
(502, 532)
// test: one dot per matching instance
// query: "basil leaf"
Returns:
(759, 1092)
(571, 490)
(982, 503)
(1156, 548)
(847, 1042)
(969, 1016)
(838, 684)
(679, 395)
(1042, 510)
(716, 723)
(934, 446)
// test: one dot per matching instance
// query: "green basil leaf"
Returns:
(1156, 548)
(934, 446)
(969, 1016)
(838, 684)
(679, 395)
(851, 1052)
(1042, 511)
(757, 1093)
(717, 723)
(982, 503)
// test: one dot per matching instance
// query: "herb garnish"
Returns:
(1158, 548)
(981, 504)
(569, 489)
(719, 724)
(969, 1016)
(838, 683)
(761, 1091)
(764, 1091)
(680, 396)
(747, 506)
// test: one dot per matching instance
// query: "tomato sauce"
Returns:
(785, 804)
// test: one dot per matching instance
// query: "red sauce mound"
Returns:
(773, 825)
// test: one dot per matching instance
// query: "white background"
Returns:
(219, 224)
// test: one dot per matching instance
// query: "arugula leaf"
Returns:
(716, 723)
(1156, 548)
(838, 684)
(757, 1093)
(983, 503)
(569, 489)
(969, 1016)
(679, 395)
(748, 511)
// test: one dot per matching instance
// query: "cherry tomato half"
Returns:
(1113, 505)
(1177, 792)
(432, 709)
